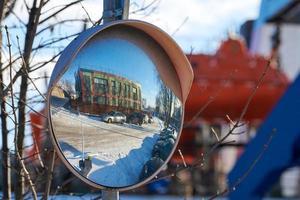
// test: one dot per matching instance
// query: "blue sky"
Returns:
(197, 24)
(125, 60)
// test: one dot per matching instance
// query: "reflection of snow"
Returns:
(118, 151)
(126, 170)
(113, 172)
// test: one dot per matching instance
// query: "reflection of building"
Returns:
(102, 92)
(58, 92)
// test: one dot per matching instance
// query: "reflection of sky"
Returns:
(122, 58)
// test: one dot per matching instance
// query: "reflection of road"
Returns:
(108, 144)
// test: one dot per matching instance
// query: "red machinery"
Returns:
(226, 80)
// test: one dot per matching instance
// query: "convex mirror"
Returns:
(116, 103)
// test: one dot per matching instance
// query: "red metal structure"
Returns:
(226, 80)
(229, 77)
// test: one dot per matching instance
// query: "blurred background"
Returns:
(245, 58)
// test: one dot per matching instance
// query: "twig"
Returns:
(182, 158)
(245, 109)
(27, 175)
(248, 171)
(215, 134)
(145, 7)
(25, 70)
(180, 26)
(200, 162)
(59, 11)
(87, 14)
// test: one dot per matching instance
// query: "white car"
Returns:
(114, 117)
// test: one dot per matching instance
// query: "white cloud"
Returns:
(207, 24)
(208, 20)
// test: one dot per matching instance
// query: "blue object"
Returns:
(283, 151)
(159, 187)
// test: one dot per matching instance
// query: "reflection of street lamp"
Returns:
(82, 139)
(85, 164)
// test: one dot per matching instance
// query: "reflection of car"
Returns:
(146, 118)
(136, 118)
(150, 118)
(114, 116)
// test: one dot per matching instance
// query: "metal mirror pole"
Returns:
(114, 10)
(110, 195)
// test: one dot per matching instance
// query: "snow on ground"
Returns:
(118, 151)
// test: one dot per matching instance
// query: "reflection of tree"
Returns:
(164, 103)
(68, 87)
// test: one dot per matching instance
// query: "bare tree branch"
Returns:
(19, 157)
(59, 11)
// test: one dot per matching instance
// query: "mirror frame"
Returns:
(173, 51)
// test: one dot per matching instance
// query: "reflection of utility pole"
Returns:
(114, 10)
(85, 164)
(82, 136)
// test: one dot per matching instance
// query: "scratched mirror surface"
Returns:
(114, 117)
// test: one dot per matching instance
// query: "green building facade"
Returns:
(103, 92)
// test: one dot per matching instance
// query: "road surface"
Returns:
(118, 151)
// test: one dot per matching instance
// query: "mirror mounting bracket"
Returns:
(115, 10)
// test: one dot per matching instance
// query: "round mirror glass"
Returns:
(115, 110)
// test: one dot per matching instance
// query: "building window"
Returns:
(131, 104)
(101, 85)
(114, 87)
(87, 83)
(102, 100)
(127, 104)
(134, 93)
(87, 99)
(119, 88)
(114, 102)
(127, 90)
(120, 102)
